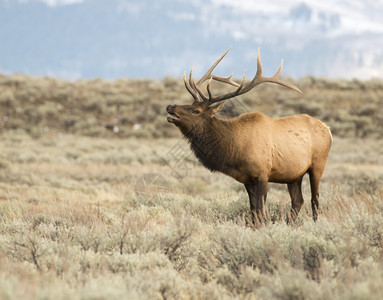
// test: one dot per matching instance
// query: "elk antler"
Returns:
(195, 88)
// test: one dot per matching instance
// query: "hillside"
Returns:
(136, 108)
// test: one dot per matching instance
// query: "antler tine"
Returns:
(208, 88)
(279, 70)
(288, 85)
(258, 78)
(220, 98)
(259, 65)
(199, 91)
(191, 81)
(195, 88)
(275, 79)
(218, 78)
(189, 88)
(225, 79)
(208, 73)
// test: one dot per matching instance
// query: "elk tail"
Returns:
(329, 131)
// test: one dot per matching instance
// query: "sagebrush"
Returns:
(91, 212)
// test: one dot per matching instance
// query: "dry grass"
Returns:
(72, 226)
(106, 217)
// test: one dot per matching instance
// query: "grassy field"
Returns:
(100, 198)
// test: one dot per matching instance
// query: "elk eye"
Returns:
(196, 112)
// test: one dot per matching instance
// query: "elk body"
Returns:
(254, 149)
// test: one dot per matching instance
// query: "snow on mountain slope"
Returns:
(143, 38)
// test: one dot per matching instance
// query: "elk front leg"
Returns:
(257, 195)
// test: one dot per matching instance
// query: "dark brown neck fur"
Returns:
(213, 144)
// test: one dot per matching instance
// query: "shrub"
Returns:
(67, 106)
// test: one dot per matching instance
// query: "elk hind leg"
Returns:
(295, 191)
(315, 176)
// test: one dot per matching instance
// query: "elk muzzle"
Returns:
(173, 116)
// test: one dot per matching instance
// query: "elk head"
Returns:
(189, 117)
(203, 108)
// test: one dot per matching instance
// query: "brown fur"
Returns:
(255, 149)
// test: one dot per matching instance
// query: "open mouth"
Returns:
(172, 115)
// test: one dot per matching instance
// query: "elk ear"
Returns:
(217, 108)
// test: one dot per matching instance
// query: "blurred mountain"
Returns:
(144, 38)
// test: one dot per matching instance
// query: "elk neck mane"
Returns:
(213, 144)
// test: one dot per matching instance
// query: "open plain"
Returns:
(101, 198)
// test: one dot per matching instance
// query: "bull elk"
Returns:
(252, 148)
